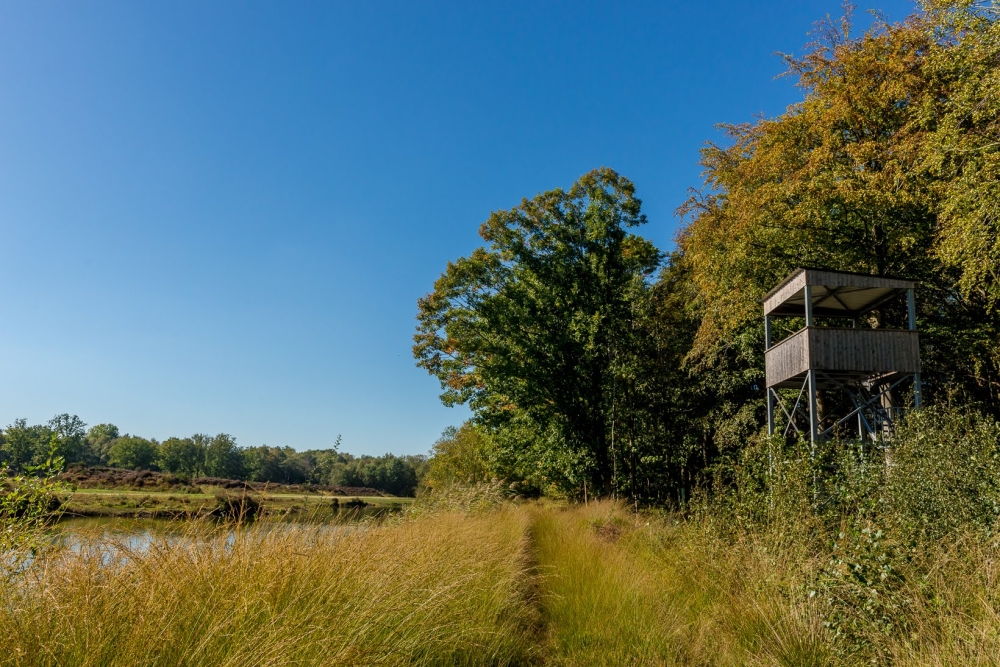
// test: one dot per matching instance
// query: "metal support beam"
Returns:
(813, 422)
(770, 396)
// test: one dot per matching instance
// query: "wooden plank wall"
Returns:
(870, 351)
(787, 359)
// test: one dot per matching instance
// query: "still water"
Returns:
(137, 534)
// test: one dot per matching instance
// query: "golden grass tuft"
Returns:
(630, 590)
(514, 585)
(442, 589)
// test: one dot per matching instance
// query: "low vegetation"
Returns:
(783, 567)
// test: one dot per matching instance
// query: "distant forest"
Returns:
(67, 437)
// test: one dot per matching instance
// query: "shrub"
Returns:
(237, 507)
(27, 503)
(943, 475)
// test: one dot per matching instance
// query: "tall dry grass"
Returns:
(625, 589)
(622, 589)
(535, 584)
(443, 589)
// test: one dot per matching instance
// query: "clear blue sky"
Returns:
(218, 216)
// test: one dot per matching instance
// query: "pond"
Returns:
(137, 533)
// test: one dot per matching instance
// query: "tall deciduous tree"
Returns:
(134, 453)
(527, 328)
(182, 455)
(69, 441)
(222, 457)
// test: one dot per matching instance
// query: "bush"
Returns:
(237, 507)
(943, 475)
(27, 504)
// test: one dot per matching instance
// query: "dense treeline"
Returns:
(596, 364)
(67, 437)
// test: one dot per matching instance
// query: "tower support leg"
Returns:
(813, 417)
(770, 411)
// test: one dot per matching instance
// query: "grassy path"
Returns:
(617, 592)
(599, 604)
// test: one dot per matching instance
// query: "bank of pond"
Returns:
(220, 503)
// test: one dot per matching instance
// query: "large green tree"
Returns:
(24, 445)
(70, 432)
(528, 328)
(134, 453)
(222, 457)
(182, 455)
(99, 440)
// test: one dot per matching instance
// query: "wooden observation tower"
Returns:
(848, 378)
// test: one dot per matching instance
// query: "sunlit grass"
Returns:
(624, 590)
(512, 585)
(445, 589)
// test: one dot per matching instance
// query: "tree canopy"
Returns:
(582, 370)
(527, 328)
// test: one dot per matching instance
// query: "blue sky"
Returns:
(218, 217)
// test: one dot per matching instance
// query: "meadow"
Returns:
(526, 583)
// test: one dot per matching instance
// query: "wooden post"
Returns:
(809, 304)
(813, 421)
(911, 310)
(770, 397)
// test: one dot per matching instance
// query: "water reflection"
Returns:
(114, 536)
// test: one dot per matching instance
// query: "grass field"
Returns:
(530, 584)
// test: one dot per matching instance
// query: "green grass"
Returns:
(628, 590)
(535, 584)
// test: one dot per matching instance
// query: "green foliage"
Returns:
(460, 456)
(274, 464)
(223, 457)
(864, 591)
(69, 432)
(527, 328)
(182, 456)
(99, 440)
(134, 453)
(23, 444)
(392, 474)
(943, 475)
(28, 502)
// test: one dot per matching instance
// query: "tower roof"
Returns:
(834, 293)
